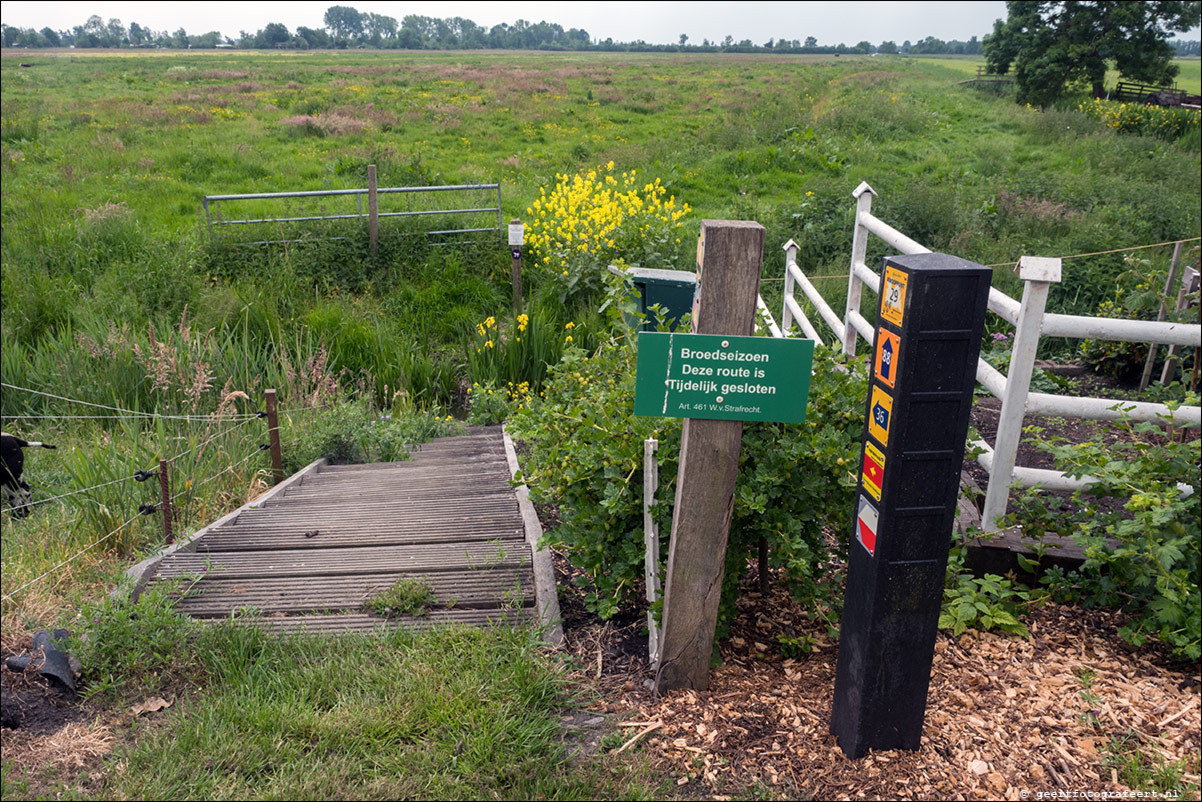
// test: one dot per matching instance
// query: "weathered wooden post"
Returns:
(730, 255)
(373, 211)
(273, 433)
(1161, 315)
(517, 238)
(165, 490)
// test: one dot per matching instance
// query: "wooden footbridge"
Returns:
(311, 553)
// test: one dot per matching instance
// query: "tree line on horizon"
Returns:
(347, 27)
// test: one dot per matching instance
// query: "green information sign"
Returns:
(722, 378)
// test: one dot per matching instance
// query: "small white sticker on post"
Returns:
(517, 234)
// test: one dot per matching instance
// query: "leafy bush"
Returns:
(985, 603)
(134, 643)
(585, 455)
(1155, 570)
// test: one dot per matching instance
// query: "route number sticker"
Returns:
(880, 413)
(893, 295)
(888, 346)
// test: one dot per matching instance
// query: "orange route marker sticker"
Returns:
(893, 295)
(884, 364)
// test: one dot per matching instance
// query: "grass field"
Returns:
(112, 292)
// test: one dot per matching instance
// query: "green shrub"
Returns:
(1155, 571)
(136, 644)
(585, 455)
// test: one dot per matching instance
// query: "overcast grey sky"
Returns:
(655, 22)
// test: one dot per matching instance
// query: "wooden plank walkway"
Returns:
(312, 555)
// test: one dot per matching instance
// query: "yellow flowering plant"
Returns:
(593, 219)
(1141, 118)
(514, 354)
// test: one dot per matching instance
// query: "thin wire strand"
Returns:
(71, 558)
(77, 492)
(224, 470)
(211, 439)
(1115, 250)
(238, 416)
(128, 412)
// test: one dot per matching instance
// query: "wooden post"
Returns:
(1189, 283)
(273, 433)
(1160, 315)
(730, 256)
(373, 211)
(165, 487)
(651, 545)
(516, 240)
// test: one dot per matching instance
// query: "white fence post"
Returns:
(859, 251)
(651, 542)
(786, 315)
(1038, 273)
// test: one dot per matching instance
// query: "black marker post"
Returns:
(928, 338)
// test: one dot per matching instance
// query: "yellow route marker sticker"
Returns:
(893, 295)
(880, 413)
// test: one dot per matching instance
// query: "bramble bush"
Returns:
(1155, 571)
(589, 221)
(585, 451)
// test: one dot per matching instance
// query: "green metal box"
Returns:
(672, 289)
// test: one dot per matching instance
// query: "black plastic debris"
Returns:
(50, 658)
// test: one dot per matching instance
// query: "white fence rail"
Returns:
(1030, 322)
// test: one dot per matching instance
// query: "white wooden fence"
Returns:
(1030, 321)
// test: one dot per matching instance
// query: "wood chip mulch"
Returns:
(1006, 718)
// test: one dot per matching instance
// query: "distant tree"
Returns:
(344, 22)
(930, 45)
(770, 44)
(137, 34)
(684, 39)
(52, 38)
(378, 27)
(274, 34)
(866, 47)
(728, 41)
(180, 39)
(205, 41)
(1053, 46)
(887, 47)
(905, 47)
(811, 41)
(315, 37)
(1184, 49)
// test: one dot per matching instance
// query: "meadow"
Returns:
(114, 294)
